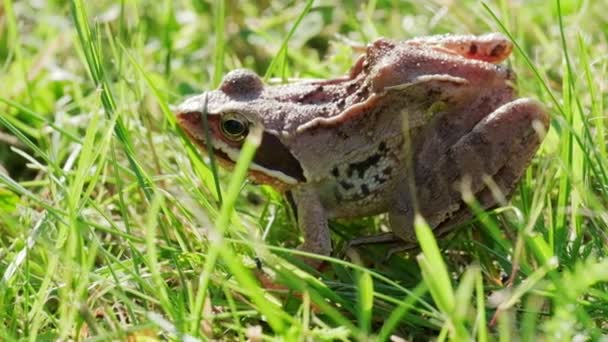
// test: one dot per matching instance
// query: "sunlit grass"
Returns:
(114, 226)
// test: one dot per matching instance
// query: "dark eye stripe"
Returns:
(273, 155)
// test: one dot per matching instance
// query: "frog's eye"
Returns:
(234, 127)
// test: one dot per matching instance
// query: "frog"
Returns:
(403, 133)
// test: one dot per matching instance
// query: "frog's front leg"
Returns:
(312, 220)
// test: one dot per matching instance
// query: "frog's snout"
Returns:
(188, 119)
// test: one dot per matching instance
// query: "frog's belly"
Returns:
(355, 196)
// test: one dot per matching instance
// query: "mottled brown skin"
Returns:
(397, 135)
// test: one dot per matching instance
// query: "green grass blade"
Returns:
(366, 302)
(219, 17)
(282, 53)
(433, 268)
(397, 315)
(95, 68)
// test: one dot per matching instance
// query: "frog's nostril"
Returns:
(498, 50)
(473, 49)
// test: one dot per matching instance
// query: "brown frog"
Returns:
(398, 135)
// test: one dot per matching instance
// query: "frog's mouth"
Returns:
(273, 163)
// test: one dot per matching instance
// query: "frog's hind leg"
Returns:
(500, 146)
(495, 152)
(528, 123)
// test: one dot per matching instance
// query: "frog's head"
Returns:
(231, 114)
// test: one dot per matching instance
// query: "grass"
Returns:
(114, 227)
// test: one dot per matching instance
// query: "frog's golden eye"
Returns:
(234, 127)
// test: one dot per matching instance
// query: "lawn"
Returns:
(114, 227)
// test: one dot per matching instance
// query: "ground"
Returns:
(111, 226)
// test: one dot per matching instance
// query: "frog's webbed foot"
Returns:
(388, 242)
(382, 238)
(393, 244)
(401, 238)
